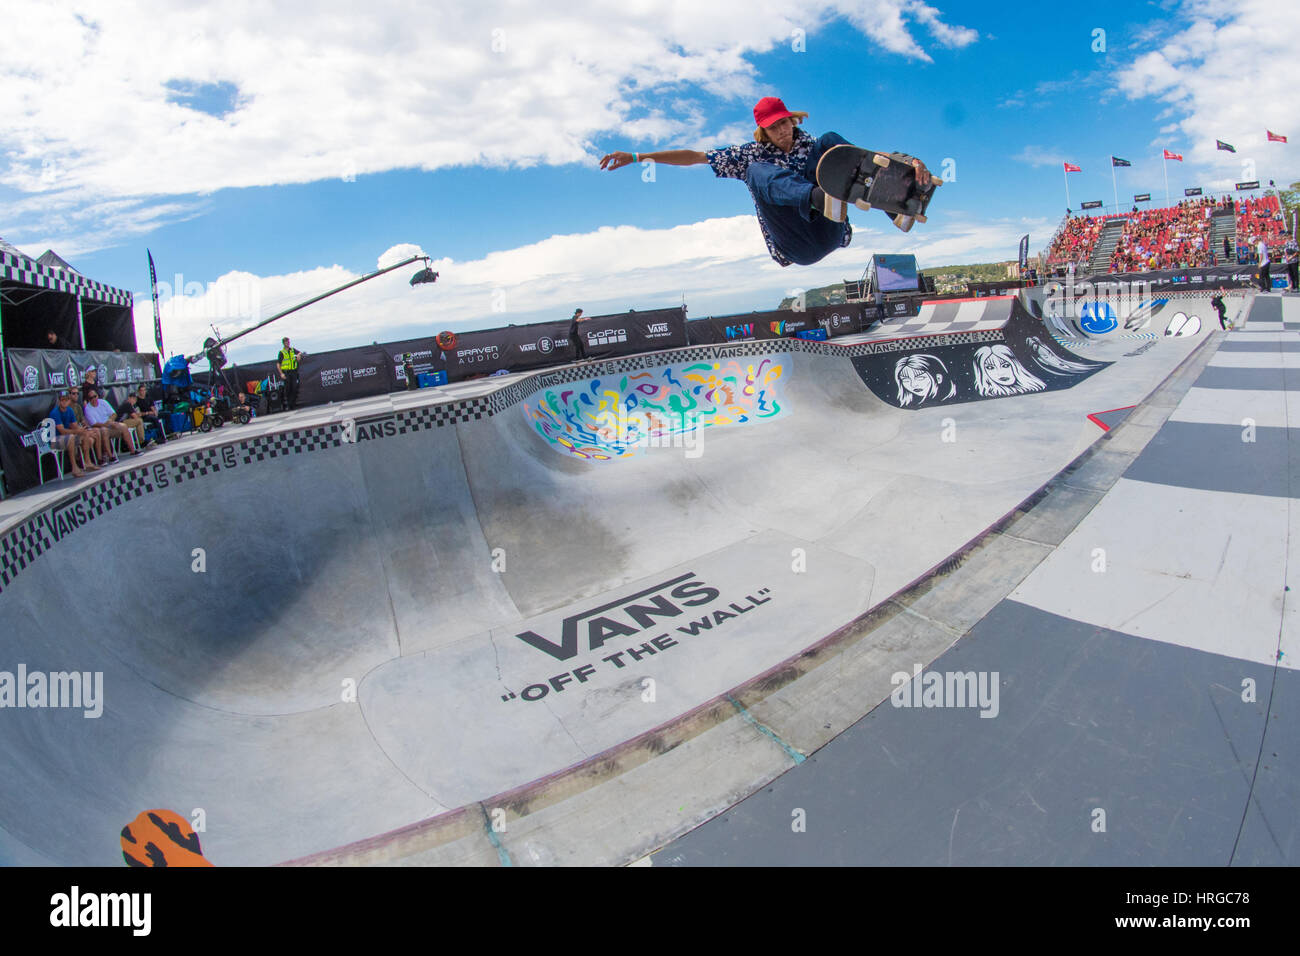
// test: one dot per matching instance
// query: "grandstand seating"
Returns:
(1187, 235)
(1262, 219)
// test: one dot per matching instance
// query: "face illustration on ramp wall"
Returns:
(998, 372)
(922, 378)
(609, 418)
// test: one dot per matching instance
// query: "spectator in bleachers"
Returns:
(53, 340)
(90, 379)
(72, 437)
(144, 405)
(129, 415)
(99, 414)
(100, 445)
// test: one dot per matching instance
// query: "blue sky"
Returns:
(267, 155)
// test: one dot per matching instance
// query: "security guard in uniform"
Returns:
(288, 365)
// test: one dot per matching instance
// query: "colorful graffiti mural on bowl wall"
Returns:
(609, 418)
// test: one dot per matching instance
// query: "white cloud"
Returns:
(609, 270)
(1228, 74)
(331, 90)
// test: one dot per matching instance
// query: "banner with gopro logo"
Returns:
(629, 333)
(31, 370)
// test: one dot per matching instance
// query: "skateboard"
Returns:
(872, 180)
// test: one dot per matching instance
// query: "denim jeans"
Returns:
(783, 199)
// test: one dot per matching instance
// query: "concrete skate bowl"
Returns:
(321, 636)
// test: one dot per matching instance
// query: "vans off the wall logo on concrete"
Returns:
(617, 630)
(67, 517)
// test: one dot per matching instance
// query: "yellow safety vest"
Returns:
(288, 360)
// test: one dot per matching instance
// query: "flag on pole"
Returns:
(1116, 161)
(1275, 137)
(1169, 155)
(1227, 148)
(1071, 168)
(157, 319)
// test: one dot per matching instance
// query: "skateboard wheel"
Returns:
(863, 205)
(880, 160)
(919, 218)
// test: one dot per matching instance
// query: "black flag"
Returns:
(1220, 144)
(1024, 253)
(1116, 161)
(157, 319)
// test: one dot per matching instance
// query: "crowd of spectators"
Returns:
(1176, 237)
(1262, 219)
(86, 425)
(1075, 242)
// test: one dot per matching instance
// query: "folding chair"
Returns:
(43, 441)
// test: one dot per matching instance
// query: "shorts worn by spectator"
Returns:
(71, 437)
(130, 416)
(97, 438)
(99, 414)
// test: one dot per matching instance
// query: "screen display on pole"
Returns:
(895, 273)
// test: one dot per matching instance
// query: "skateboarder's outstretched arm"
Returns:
(669, 157)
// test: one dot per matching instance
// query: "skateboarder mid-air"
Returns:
(801, 222)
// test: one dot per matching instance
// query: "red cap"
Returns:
(768, 110)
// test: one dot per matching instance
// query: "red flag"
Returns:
(1169, 155)
(1275, 137)
(1071, 168)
